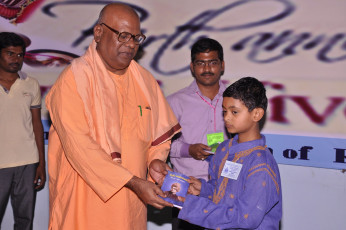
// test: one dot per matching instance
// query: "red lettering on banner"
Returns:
(278, 112)
(303, 103)
(277, 104)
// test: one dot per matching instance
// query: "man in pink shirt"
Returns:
(198, 108)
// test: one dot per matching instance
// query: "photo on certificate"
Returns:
(175, 187)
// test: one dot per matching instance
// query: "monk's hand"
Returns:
(198, 151)
(148, 192)
(195, 186)
(158, 170)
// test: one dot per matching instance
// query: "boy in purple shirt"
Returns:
(244, 191)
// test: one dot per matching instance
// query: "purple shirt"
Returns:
(251, 201)
(198, 116)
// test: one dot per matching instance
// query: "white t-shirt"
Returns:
(17, 140)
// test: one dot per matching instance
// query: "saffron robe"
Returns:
(94, 114)
(253, 201)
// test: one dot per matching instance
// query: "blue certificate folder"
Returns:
(175, 186)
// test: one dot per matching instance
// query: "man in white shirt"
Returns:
(22, 161)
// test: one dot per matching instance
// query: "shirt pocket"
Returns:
(145, 123)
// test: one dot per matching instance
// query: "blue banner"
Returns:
(308, 151)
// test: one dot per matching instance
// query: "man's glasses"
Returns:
(126, 36)
(211, 63)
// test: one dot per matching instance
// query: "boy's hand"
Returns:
(195, 186)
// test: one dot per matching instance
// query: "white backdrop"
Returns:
(296, 47)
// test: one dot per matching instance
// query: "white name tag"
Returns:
(231, 170)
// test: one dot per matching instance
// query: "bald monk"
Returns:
(110, 126)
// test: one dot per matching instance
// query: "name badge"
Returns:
(231, 170)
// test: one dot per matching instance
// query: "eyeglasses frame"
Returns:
(205, 63)
(119, 33)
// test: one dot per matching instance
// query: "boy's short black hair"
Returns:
(8, 39)
(206, 45)
(250, 91)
